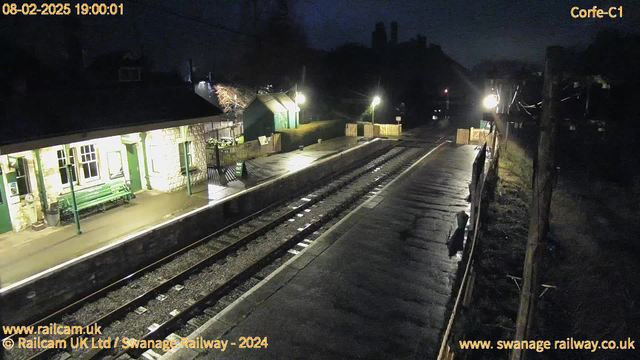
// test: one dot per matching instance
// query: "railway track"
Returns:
(178, 293)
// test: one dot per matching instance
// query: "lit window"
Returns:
(114, 160)
(62, 162)
(22, 176)
(189, 155)
(89, 160)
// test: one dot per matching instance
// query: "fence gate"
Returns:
(351, 130)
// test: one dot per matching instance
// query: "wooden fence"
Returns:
(351, 130)
(483, 181)
(462, 137)
(390, 129)
(371, 131)
(479, 136)
(377, 130)
(475, 136)
(248, 150)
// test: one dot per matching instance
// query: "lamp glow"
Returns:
(376, 101)
(490, 101)
(300, 98)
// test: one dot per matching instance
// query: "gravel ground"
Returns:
(136, 326)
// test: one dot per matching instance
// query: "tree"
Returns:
(276, 52)
(233, 98)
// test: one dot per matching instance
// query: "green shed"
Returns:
(268, 113)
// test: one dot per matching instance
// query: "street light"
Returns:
(299, 98)
(376, 101)
(491, 101)
(446, 92)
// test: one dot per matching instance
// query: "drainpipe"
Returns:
(143, 139)
(186, 158)
(76, 217)
(43, 191)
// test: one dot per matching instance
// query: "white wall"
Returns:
(162, 151)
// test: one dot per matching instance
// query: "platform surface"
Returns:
(26, 253)
(375, 286)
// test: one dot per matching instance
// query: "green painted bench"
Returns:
(95, 195)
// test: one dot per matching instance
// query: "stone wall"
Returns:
(164, 157)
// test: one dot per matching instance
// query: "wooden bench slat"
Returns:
(95, 195)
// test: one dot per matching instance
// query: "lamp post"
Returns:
(299, 98)
(446, 92)
(74, 203)
(184, 129)
(376, 101)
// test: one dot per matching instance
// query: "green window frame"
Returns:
(22, 176)
(62, 166)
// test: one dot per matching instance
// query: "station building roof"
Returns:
(276, 102)
(47, 119)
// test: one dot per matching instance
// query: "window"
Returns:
(62, 166)
(89, 161)
(189, 155)
(114, 160)
(22, 176)
(129, 74)
(155, 158)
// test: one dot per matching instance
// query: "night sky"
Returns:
(469, 31)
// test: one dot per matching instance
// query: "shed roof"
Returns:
(50, 115)
(277, 102)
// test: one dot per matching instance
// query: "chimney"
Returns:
(422, 41)
(379, 36)
(394, 33)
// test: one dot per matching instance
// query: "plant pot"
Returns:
(53, 218)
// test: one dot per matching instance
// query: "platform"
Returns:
(29, 252)
(376, 285)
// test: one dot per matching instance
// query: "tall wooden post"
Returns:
(506, 139)
(541, 204)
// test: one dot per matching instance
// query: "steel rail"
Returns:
(165, 328)
(165, 286)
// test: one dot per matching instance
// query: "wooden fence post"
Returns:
(541, 203)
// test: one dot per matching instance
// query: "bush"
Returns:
(308, 134)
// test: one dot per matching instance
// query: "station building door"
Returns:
(134, 167)
(5, 216)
